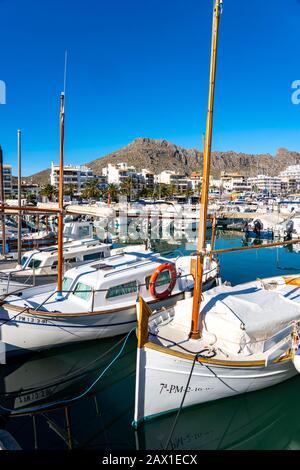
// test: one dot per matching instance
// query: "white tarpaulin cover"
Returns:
(242, 318)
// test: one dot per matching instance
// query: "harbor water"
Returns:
(82, 397)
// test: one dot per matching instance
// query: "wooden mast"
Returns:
(2, 197)
(59, 295)
(197, 268)
(19, 201)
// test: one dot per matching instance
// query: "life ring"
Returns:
(163, 267)
(292, 281)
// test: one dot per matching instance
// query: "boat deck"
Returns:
(173, 331)
(66, 306)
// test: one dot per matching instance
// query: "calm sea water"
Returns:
(33, 390)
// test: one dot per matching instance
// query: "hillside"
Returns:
(159, 155)
(41, 178)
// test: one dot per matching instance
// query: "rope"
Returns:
(15, 316)
(78, 397)
(182, 401)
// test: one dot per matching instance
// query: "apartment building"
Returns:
(74, 175)
(271, 184)
(180, 181)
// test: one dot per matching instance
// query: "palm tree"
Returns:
(127, 186)
(30, 198)
(48, 191)
(111, 192)
(189, 192)
(69, 191)
(172, 190)
(91, 190)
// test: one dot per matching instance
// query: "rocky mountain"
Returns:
(159, 155)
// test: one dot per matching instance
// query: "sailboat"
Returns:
(94, 300)
(236, 340)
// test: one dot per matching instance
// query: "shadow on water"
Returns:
(269, 419)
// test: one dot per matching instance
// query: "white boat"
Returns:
(40, 266)
(246, 344)
(98, 299)
(224, 342)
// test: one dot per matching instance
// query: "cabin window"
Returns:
(83, 291)
(163, 279)
(34, 263)
(67, 231)
(92, 256)
(122, 289)
(23, 260)
(83, 232)
(54, 265)
(66, 284)
(71, 260)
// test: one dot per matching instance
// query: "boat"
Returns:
(40, 266)
(243, 422)
(220, 343)
(98, 299)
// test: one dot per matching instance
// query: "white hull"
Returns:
(28, 332)
(161, 387)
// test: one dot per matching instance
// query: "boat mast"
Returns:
(197, 268)
(2, 197)
(59, 295)
(19, 200)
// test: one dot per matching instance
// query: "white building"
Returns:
(74, 175)
(181, 182)
(234, 183)
(148, 178)
(116, 174)
(290, 178)
(266, 183)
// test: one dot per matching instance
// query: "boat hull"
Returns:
(162, 380)
(28, 331)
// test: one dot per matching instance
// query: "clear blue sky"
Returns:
(139, 68)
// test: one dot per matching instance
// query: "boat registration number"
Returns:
(172, 389)
(41, 321)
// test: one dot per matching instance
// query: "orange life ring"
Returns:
(292, 281)
(163, 267)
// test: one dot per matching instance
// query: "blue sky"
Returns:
(139, 68)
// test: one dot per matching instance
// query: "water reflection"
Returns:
(268, 419)
(101, 419)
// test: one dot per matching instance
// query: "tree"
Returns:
(91, 190)
(146, 192)
(189, 192)
(127, 186)
(111, 192)
(30, 198)
(172, 190)
(69, 190)
(48, 191)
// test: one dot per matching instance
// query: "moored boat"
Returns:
(98, 299)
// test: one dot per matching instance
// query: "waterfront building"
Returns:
(234, 183)
(119, 172)
(290, 178)
(75, 176)
(270, 184)
(180, 181)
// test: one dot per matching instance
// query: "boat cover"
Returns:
(242, 318)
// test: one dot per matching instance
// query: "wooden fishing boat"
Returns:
(236, 340)
(98, 299)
